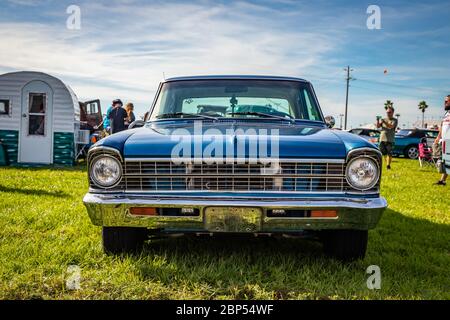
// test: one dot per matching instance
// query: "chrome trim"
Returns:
(373, 154)
(209, 192)
(234, 77)
(164, 175)
(362, 150)
(155, 98)
(246, 160)
(95, 149)
(374, 182)
(103, 151)
(95, 181)
(113, 210)
(263, 193)
(276, 203)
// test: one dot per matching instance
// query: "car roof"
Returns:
(364, 129)
(235, 77)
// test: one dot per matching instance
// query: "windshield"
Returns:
(404, 132)
(203, 99)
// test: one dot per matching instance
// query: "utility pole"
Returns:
(348, 78)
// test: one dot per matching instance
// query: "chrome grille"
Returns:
(294, 176)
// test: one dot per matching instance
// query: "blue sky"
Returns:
(124, 47)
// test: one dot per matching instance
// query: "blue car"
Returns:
(407, 141)
(370, 135)
(235, 155)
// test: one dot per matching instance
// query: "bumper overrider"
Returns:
(216, 214)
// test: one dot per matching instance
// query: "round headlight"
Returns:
(362, 173)
(106, 171)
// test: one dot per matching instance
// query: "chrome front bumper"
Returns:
(113, 210)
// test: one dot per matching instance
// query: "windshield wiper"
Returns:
(182, 115)
(262, 114)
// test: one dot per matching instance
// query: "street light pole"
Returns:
(398, 121)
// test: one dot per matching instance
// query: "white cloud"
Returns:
(26, 2)
(124, 48)
(129, 48)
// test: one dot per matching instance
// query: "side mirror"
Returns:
(136, 124)
(329, 120)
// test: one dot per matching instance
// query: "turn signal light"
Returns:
(323, 214)
(143, 211)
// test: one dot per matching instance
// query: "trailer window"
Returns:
(37, 109)
(5, 107)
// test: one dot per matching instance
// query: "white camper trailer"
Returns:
(39, 119)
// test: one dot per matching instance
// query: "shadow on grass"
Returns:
(416, 247)
(216, 249)
(35, 192)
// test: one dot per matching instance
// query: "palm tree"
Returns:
(388, 104)
(423, 106)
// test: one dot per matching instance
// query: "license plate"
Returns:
(225, 219)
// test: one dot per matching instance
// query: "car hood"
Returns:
(159, 140)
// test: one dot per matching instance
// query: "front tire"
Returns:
(117, 240)
(345, 245)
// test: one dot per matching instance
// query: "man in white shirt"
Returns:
(445, 127)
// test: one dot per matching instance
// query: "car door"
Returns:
(91, 113)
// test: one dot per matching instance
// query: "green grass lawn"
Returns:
(44, 228)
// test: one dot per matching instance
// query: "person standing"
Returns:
(437, 146)
(105, 123)
(129, 107)
(387, 135)
(117, 116)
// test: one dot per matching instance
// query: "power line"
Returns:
(391, 85)
(390, 90)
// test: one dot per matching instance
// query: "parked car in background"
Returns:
(446, 151)
(320, 183)
(370, 135)
(407, 141)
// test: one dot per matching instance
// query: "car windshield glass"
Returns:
(356, 131)
(432, 134)
(404, 132)
(270, 99)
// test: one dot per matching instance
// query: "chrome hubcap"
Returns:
(413, 153)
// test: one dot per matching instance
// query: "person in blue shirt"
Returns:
(106, 123)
